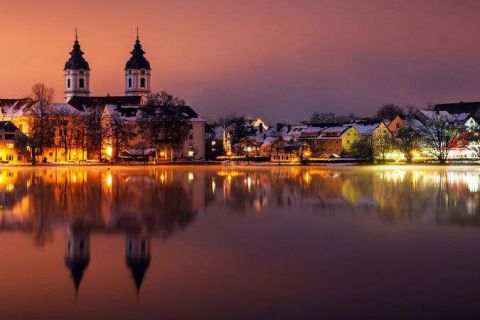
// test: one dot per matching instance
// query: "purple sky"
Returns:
(280, 60)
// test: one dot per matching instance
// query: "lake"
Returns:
(202, 242)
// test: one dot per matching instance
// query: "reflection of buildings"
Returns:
(163, 201)
(77, 253)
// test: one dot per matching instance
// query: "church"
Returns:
(78, 101)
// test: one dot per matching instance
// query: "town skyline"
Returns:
(261, 58)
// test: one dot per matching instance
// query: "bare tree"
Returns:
(120, 131)
(235, 128)
(80, 134)
(382, 143)
(162, 122)
(39, 111)
(65, 133)
(97, 130)
(437, 133)
(408, 139)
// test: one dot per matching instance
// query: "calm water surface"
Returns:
(240, 243)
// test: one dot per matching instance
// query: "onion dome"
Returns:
(138, 60)
(76, 61)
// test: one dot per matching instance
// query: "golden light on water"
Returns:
(109, 180)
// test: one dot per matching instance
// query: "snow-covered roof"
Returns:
(65, 107)
(334, 129)
(312, 130)
(333, 132)
(430, 115)
(269, 141)
(366, 128)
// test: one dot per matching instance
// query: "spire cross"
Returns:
(138, 37)
(76, 34)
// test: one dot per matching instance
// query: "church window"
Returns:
(142, 82)
(82, 83)
(129, 82)
(68, 83)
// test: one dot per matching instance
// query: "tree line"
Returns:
(159, 123)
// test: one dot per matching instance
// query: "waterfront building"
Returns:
(396, 124)
(333, 141)
(13, 144)
(79, 103)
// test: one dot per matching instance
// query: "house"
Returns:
(470, 108)
(396, 124)
(311, 132)
(465, 146)
(13, 144)
(214, 141)
(249, 146)
(336, 140)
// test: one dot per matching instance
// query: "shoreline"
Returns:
(238, 165)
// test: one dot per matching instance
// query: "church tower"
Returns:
(77, 73)
(137, 72)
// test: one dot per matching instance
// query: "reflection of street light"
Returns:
(109, 180)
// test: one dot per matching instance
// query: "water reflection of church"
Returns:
(77, 254)
(161, 202)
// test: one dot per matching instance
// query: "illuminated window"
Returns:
(214, 142)
(9, 157)
(190, 153)
(10, 145)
